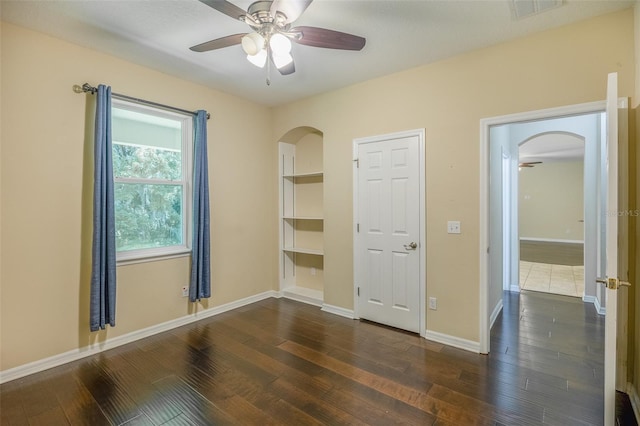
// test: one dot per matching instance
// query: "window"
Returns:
(152, 151)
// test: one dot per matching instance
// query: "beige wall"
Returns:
(559, 67)
(46, 199)
(44, 173)
(551, 201)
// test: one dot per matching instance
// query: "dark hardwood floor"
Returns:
(283, 362)
(570, 254)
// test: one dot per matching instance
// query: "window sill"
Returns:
(132, 260)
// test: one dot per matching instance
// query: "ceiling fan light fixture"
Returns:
(280, 44)
(259, 59)
(252, 43)
(281, 61)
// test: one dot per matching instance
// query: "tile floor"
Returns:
(558, 279)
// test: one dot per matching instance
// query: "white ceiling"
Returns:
(552, 147)
(400, 34)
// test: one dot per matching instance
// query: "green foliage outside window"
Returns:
(146, 162)
(148, 215)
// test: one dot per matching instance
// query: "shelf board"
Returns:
(304, 250)
(303, 217)
(303, 175)
(303, 294)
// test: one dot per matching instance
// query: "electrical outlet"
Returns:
(453, 227)
(433, 303)
(313, 271)
(185, 291)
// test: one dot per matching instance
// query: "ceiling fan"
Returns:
(270, 40)
(529, 164)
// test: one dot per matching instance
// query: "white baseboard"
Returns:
(337, 310)
(551, 240)
(495, 313)
(304, 295)
(596, 303)
(456, 342)
(73, 355)
(635, 400)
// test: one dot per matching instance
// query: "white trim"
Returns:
(337, 310)
(601, 310)
(495, 313)
(635, 400)
(456, 342)
(596, 304)
(483, 240)
(514, 288)
(152, 254)
(551, 240)
(179, 253)
(420, 133)
(75, 354)
(304, 295)
(485, 124)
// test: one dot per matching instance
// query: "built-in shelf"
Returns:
(304, 250)
(303, 175)
(302, 218)
(306, 295)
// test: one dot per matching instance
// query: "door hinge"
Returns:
(357, 161)
(357, 227)
(358, 288)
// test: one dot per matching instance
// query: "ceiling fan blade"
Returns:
(218, 43)
(329, 39)
(291, 8)
(225, 7)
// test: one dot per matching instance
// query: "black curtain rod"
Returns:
(86, 87)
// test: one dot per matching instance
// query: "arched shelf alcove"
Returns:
(301, 218)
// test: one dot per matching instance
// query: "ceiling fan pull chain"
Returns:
(268, 65)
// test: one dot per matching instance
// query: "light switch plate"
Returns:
(453, 227)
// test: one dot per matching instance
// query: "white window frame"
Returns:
(167, 252)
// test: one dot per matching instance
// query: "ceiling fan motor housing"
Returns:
(261, 19)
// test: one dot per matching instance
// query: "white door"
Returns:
(388, 247)
(611, 281)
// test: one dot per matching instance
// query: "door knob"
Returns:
(613, 283)
(411, 246)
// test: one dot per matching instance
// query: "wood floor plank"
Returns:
(282, 362)
(415, 397)
(51, 416)
(77, 402)
(11, 409)
(113, 400)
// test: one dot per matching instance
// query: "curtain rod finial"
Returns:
(86, 87)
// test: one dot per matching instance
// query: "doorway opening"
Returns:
(501, 139)
(551, 204)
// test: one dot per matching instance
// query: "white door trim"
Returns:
(485, 124)
(419, 133)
